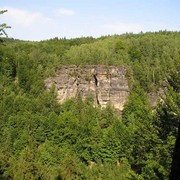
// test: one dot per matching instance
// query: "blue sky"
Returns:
(44, 19)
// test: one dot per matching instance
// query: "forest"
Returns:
(41, 139)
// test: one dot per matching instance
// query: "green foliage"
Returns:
(147, 148)
(3, 26)
(41, 139)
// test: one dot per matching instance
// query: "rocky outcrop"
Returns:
(104, 83)
(156, 97)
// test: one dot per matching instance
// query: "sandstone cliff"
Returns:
(105, 84)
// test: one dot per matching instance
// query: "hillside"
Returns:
(43, 139)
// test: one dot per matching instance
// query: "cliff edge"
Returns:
(106, 84)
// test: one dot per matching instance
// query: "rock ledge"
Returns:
(105, 84)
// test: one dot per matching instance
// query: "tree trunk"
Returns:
(175, 168)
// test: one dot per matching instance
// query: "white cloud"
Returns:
(23, 17)
(27, 25)
(64, 12)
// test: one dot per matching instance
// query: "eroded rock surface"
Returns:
(104, 83)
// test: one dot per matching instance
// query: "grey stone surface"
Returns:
(105, 84)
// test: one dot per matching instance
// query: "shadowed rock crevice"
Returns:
(96, 88)
(95, 79)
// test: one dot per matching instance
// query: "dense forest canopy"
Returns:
(41, 139)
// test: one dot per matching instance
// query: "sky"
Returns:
(44, 19)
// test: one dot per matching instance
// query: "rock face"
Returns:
(156, 97)
(104, 83)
